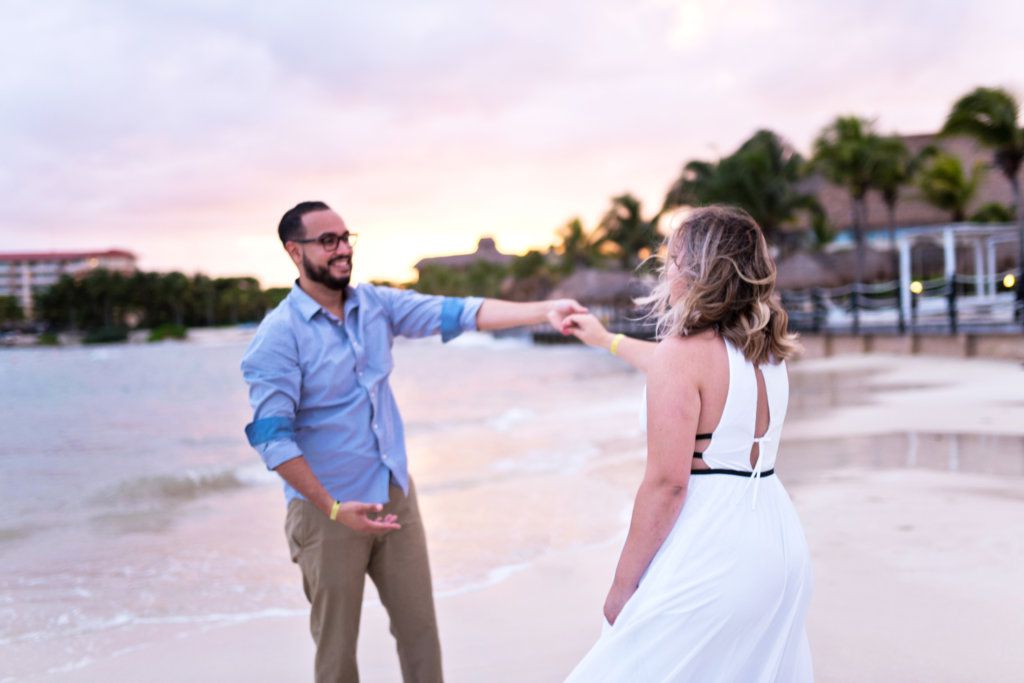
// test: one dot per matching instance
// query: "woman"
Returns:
(714, 579)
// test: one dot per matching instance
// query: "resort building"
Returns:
(22, 275)
(912, 210)
(486, 251)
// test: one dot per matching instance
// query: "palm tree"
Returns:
(10, 310)
(845, 152)
(577, 248)
(894, 167)
(761, 177)
(992, 212)
(624, 230)
(56, 305)
(991, 116)
(945, 185)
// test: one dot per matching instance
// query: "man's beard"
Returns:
(322, 275)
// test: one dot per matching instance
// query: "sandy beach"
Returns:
(916, 547)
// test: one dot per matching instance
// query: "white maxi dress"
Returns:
(725, 597)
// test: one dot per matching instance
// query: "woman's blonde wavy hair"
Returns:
(723, 258)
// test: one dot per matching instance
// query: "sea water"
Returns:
(131, 504)
(133, 510)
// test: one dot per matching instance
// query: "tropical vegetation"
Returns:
(10, 310)
(992, 117)
(846, 152)
(105, 300)
(764, 176)
(946, 185)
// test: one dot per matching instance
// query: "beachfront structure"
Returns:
(912, 209)
(607, 288)
(983, 240)
(486, 251)
(23, 275)
(941, 277)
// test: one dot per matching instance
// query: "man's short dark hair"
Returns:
(290, 227)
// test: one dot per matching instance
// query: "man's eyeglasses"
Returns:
(330, 240)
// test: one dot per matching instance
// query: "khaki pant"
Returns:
(335, 561)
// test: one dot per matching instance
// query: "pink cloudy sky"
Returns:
(183, 129)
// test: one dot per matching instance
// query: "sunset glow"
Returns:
(183, 132)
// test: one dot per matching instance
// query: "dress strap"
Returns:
(706, 436)
(737, 473)
(755, 476)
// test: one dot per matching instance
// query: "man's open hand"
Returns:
(363, 517)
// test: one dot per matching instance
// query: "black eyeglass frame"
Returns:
(330, 240)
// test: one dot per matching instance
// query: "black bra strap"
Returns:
(698, 455)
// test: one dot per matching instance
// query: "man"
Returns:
(326, 421)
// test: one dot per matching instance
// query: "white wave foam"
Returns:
(71, 666)
(81, 625)
(187, 484)
(487, 340)
(510, 418)
(494, 577)
(505, 572)
(547, 461)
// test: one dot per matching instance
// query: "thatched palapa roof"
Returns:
(602, 287)
(486, 251)
(805, 270)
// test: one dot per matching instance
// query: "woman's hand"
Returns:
(588, 329)
(559, 310)
(617, 598)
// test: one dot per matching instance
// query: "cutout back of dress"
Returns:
(734, 444)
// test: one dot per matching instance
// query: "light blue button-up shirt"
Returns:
(319, 386)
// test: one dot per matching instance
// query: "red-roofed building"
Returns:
(27, 273)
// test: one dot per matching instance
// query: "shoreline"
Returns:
(999, 345)
(915, 568)
(909, 601)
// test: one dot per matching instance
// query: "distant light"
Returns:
(93, 262)
(916, 287)
(1009, 281)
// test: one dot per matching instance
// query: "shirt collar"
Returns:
(308, 306)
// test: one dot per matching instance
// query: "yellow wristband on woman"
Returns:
(334, 510)
(615, 343)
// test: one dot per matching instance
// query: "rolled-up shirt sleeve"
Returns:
(419, 315)
(271, 369)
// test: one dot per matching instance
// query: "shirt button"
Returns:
(376, 426)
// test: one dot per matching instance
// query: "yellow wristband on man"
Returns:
(615, 343)
(334, 510)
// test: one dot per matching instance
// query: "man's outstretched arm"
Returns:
(412, 314)
(495, 314)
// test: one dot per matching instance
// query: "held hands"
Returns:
(561, 309)
(357, 516)
(587, 328)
